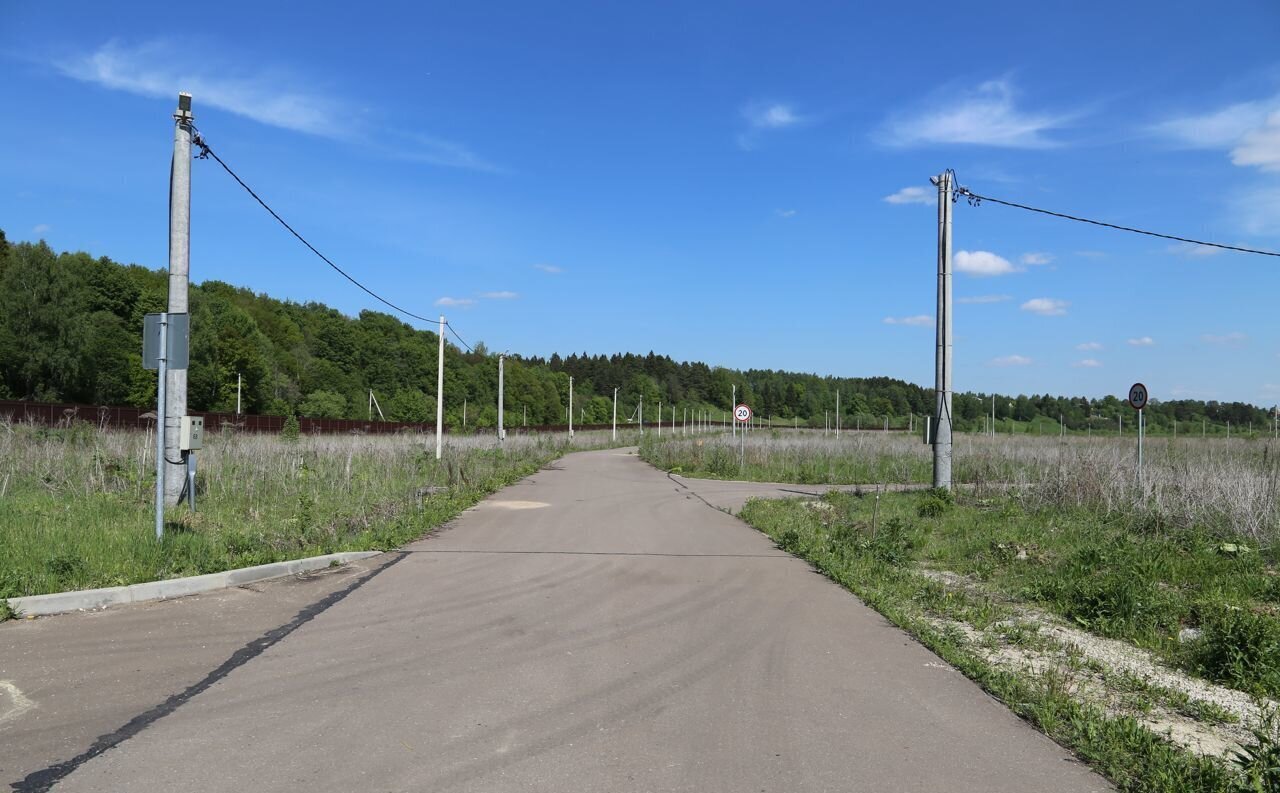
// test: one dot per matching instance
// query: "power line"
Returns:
(205, 151)
(976, 199)
(456, 336)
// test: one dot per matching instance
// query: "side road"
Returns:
(594, 627)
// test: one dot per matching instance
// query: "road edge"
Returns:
(91, 599)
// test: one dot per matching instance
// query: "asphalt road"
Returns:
(596, 627)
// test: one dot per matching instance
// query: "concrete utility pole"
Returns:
(238, 394)
(502, 427)
(615, 414)
(942, 438)
(175, 476)
(837, 414)
(570, 406)
(734, 407)
(440, 394)
(659, 419)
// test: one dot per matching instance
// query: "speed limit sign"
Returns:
(742, 414)
(1138, 396)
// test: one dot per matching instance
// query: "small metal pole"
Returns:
(1141, 429)
(162, 371)
(191, 479)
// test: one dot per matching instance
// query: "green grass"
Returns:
(1140, 588)
(76, 510)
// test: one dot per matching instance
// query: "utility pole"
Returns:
(464, 414)
(175, 476)
(440, 394)
(615, 414)
(238, 394)
(942, 438)
(837, 414)
(570, 406)
(502, 427)
(659, 419)
(640, 412)
(735, 407)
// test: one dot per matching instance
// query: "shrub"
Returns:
(1239, 648)
(291, 429)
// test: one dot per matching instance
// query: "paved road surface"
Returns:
(594, 628)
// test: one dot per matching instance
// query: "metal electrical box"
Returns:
(191, 434)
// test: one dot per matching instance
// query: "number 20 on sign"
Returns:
(742, 414)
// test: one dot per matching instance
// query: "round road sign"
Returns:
(1138, 396)
(742, 414)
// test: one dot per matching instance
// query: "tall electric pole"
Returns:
(502, 428)
(570, 406)
(734, 408)
(615, 414)
(837, 414)
(942, 438)
(440, 394)
(175, 476)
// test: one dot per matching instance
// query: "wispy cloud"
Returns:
(1250, 131)
(1046, 306)
(270, 95)
(986, 116)
(1087, 363)
(785, 213)
(919, 320)
(1193, 251)
(983, 264)
(1233, 339)
(1036, 258)
(1142, 341)
(455, 302)
(1010, 360)
(1089, 345)
(763, 118)
(984, 299)
(41, 228)
(549, 268)
(913, 195)
(763, 115)
(1257, 210)
(503, 295)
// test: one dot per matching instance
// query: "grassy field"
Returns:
(1138, 625)
(76, 505)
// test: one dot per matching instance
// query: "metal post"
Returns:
(942, 440)
(1141, 429)
(640, 413)
(440, 394)
(162, 366)
(502, 426)
(179, 276)
(659, 419)
(734, 407)
(191, 479)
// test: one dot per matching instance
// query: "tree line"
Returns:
(71, 324)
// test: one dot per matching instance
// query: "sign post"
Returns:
(1138, 400)
(742, 415)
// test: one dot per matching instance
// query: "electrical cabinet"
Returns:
(191, 434)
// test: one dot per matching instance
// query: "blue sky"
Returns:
(740, 183)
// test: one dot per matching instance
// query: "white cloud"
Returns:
(984, 299)
(1249, 130)
(919, 320)
(456, 302)
(983, 263)
(41, 228)
(1010, 360)
(1257, 211)
(1144, 341)
(762, 115)
(1233, 339)
(1035, 258)
(549, 268)
(1089, 345)
(1087, 363)
(503, 295)
(160, 69)
(1260, 147)
(269, 95)
(786, 213)
(913, 195)
(1192, 250)
(1046, 306)
(985, 116)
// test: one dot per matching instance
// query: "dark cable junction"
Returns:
(976, 199)
(206, 152)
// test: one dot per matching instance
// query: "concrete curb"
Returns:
(87, 599)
